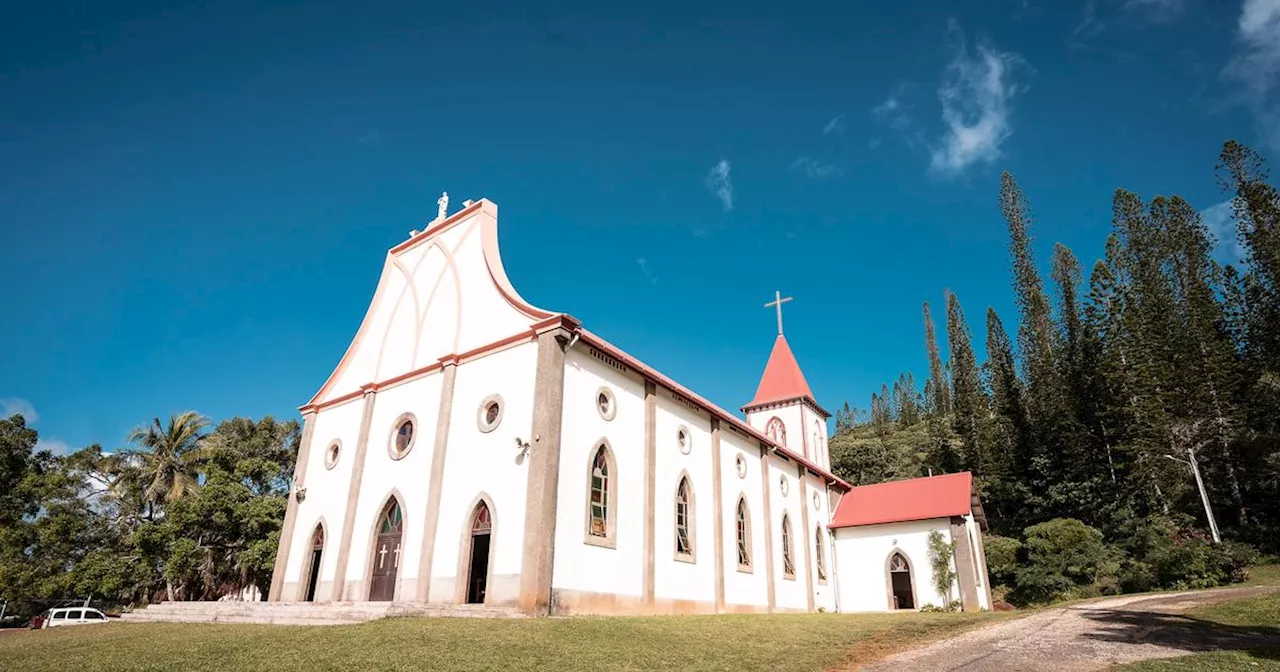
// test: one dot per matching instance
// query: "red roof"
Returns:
(782, 378)
(901, 501)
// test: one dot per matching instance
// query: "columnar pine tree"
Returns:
(936, 391)
(968, 403)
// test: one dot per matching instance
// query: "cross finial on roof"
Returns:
(777, 302)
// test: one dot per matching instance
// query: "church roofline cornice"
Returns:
(786, 401)
(651, 374)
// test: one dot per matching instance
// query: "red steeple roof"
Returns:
(782, 378)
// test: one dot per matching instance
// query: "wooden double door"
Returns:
(387, 552)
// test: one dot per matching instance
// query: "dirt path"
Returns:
(1089, 636)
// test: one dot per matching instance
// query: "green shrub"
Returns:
(1234, 561)
(1002, 558)
(1064, 558)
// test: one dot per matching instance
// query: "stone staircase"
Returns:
(307, 613)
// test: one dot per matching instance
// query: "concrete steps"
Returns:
(307, 613)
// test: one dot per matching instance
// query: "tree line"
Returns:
(1088, 409)
(187, 511)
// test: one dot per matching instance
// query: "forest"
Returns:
(1081, 420)
(188, 511)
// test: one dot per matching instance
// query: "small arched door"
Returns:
(478, 569)
(313, 571)
(900, 585)
(386, 554)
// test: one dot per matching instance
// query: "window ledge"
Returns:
(746, 569)
(602, 542)
(681, 557)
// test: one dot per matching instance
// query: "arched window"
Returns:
(480, 522)
(788, 553)
(776, 430)
(743, 524)
(392, 519)
(684, 522)
(821, 558)
(601, 497)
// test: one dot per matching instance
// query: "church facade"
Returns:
(473, 448)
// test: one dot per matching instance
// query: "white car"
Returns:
(54, 618)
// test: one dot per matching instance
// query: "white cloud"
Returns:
(893, 107)
(836, 126)
(814, 168)
(977, 91)
(644, 268)
(54, 446)
(1255, 67)
(720, 184)
(1221, 222)
(11, 405)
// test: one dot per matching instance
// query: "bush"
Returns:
(1234, 561)
(1002, 558)
(1064, 558)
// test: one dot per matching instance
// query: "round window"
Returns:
(741, 464)
(489, 415)
(402, 437)
(331, 454)
(817, 502)
(683, 441)
(606, 404)
(782, 483)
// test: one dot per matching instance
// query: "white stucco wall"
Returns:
(578, 565)
(819, 517)
(435, 298)
(672, 578)
(789, 593)
(863, 556)
(979, 565)
(743, 587)
(406, 477)
(326, 492)
(485, 462)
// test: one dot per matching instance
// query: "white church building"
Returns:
(473, 448)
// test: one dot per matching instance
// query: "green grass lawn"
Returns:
(737, 643)
(1257, 616)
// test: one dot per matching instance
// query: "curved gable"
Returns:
(443, 292)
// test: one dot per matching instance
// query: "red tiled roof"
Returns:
(782, 378)
(901, 501)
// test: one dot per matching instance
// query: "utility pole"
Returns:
(1204, 494)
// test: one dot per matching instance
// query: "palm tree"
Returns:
(169, 458)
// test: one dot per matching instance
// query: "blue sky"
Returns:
(195, 199)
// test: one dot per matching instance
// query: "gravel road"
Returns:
(1090, 636)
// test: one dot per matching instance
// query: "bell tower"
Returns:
(783, 407)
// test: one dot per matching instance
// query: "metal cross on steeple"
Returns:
(777, 302)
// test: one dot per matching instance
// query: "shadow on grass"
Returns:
(1187, 633)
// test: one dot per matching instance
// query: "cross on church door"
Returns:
(386, 555)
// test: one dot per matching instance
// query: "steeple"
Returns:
(782, 379)
(784, 408)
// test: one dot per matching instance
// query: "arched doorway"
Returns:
(901, 589)
(313, 566)
(478, 567)
(386, 554)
